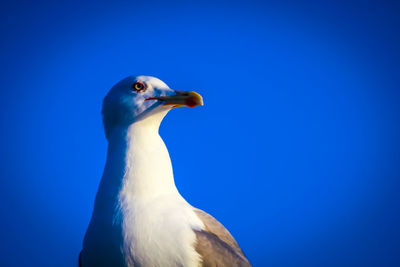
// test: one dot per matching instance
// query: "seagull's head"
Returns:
(138, 97)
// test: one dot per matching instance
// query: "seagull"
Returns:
(139, 217)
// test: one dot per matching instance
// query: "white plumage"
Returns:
(139, 218)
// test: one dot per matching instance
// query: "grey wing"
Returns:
(216, 245)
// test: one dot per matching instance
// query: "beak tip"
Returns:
(197, 99)
(198, 103)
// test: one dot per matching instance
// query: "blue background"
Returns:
(296, 150)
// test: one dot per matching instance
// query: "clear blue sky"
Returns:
(296, 150)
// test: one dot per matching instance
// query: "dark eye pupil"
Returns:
(138, 86)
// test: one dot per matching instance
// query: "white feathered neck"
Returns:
(138, 194)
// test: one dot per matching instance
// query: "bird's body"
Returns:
(139, 218)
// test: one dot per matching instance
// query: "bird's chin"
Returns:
(154, 109)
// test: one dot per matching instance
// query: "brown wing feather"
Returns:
(216, 245)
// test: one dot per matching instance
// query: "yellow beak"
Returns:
(181, 99)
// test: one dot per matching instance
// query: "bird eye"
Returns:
(138, 87)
